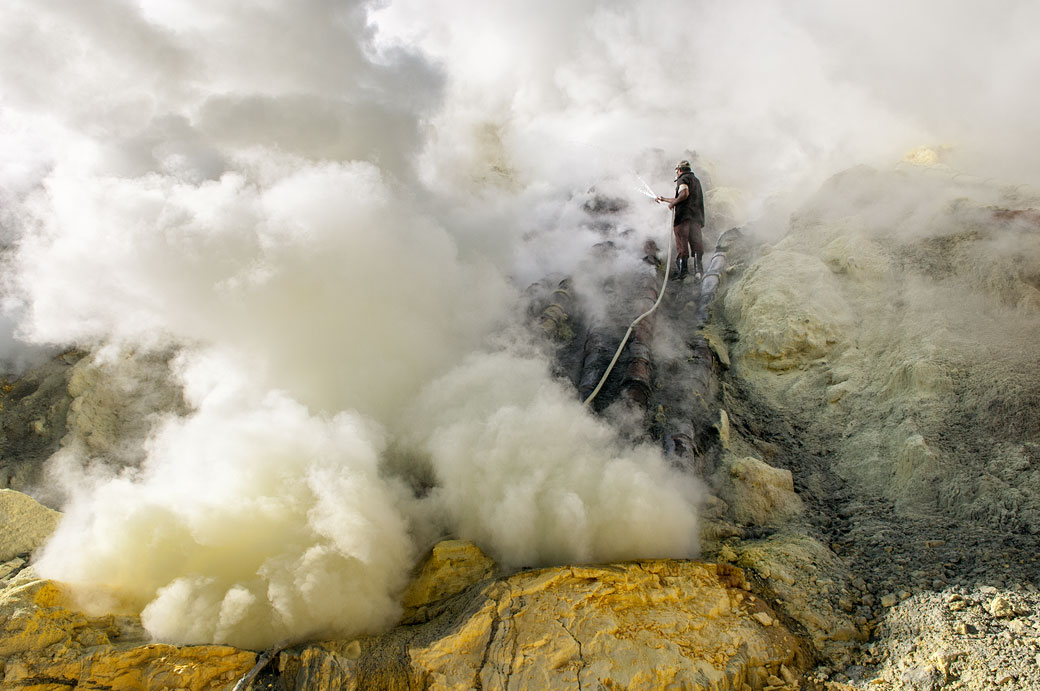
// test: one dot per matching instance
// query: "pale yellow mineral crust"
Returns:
(24, 523)
(639, 625)
(453, 565)
(46, 645)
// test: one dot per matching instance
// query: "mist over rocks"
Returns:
(784, 323)
(252, 557)
(117, 399)
(834, 568)
(35, 411)
(900, 329)
(905, 437)
(518, 473)
(289, 237)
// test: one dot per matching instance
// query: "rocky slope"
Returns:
(648, 624)
(886, 358)
(861, 401)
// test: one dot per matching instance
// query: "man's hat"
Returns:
(683, 165)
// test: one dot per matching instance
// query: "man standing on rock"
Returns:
(687, 219)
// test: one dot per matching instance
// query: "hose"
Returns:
(624, 341)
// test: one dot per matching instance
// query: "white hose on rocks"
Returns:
(660, 296)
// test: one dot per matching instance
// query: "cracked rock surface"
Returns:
(47, 643)
(637, 625)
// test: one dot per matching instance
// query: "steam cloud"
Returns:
(320, 206)
(251, 521)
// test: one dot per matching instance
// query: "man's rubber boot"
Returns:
(697, 268)
(680, 273)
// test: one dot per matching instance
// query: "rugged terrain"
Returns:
(893, 372)
(860, 397)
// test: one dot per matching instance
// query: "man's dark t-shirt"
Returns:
(691, 208)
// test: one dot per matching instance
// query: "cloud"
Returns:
(523, 470)
(328, 209)
(251, 521)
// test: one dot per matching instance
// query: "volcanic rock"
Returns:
(24, 524)
(757, 493)
(453, 565)
(638, 625)
(787, 323)
(45, 643)
(807, 581)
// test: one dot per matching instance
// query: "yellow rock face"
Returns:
(147, 667)
(453, 566)
(24, 523)
(756, 492)
(809, 579)
(45, 645)
(789, 310)
(640, 625)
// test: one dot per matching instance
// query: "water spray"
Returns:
(647, 190)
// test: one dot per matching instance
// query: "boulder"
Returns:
(24, 524)
(789, 311)
(638, 625)
(1000, 607)
(44, 643)
(756, 492)
(453, 566)
(918, 472)
(809, 583)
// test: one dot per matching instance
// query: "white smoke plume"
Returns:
(251, 521)
(517, 470)
(321, 205)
